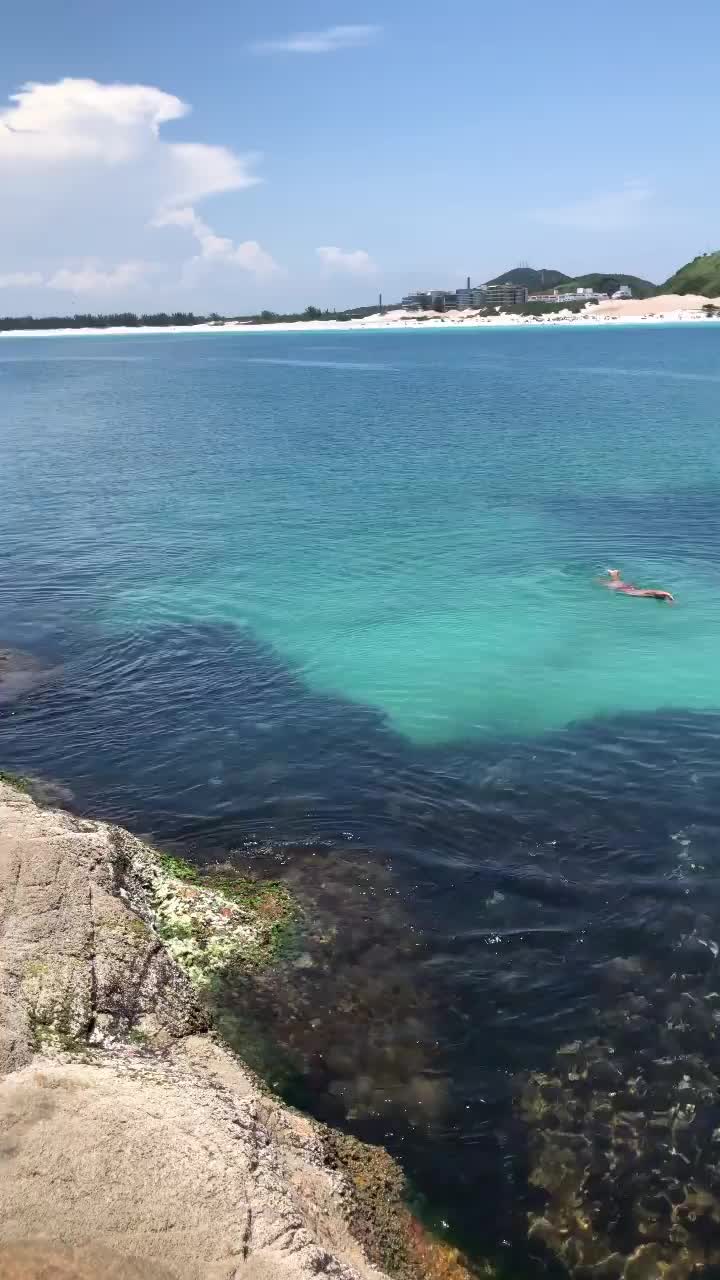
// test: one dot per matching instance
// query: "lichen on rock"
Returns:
(211, 922)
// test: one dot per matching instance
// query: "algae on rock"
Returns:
(15, 780)
(211, 922)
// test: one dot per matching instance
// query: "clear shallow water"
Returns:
(338, 592)
(413, 524)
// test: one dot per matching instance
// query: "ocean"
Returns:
(328, 604)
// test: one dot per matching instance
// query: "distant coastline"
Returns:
(665, 309)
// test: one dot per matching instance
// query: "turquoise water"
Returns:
(413, 521)
(330, 602)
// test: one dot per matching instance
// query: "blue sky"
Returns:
(341, 149)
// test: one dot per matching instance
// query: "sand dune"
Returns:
(667, 302)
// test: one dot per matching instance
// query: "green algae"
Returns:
(17, 781)
(218, 921)
(236, 886)
(178, 868)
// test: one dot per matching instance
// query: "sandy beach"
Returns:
(666, 309)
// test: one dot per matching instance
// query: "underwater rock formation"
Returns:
(21, 672)
(623, 1131)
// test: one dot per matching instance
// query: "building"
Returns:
(578, 295)
(505, 295)
(474, 297)
(623, 292)
(430, 300)
(443, 299)
(412, 301)
(465, 296)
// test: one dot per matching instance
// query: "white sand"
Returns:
(666, 309)
(667, 303)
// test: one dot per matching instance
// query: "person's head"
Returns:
(614, 573)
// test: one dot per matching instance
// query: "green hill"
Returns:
(610, 283)
(544, 280)
(535, 281)
(702, 275)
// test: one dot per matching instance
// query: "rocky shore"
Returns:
(134, 1142)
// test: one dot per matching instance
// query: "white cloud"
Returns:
(87, 178)
(200, 170)
(20, 279)
(86, 278)
(327, 41)
(73, 121)
(248, 255)
(606, 211)
(80, 118)
(355, 261)
(89, 278)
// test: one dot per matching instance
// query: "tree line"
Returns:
(125, 319)
(312, 313)
(163, 319)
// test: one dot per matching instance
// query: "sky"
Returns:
(235, 156)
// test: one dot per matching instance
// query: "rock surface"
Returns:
(132, 1143)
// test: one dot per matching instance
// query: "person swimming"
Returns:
(616, 584)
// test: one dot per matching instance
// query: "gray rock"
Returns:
(126, 1130)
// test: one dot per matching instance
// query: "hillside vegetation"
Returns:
(702, 276)
(610, 283)
(535, 281)
(543, 280)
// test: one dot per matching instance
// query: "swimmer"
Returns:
(616, 584)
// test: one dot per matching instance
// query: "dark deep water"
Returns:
(487, 881)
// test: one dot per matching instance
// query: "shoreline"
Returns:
(112, 969)
(667, 309)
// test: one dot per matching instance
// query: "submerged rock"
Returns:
(21, 672)
(623, 1137)
(134, 1144)
(345, 1005)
